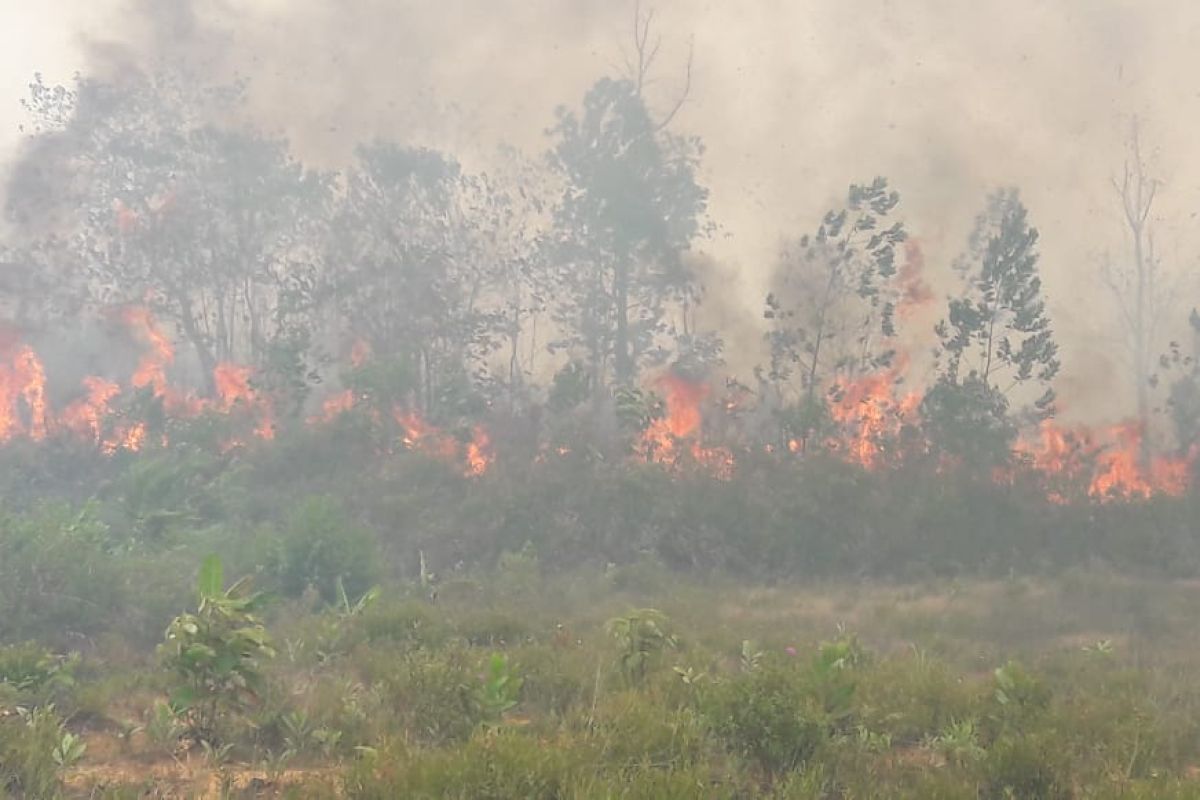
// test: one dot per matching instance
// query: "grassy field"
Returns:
(634, 682)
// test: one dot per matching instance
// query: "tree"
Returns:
(1183, 398)
(631, 206)
(997, 335)
(1135, 283)
(832, 309)
(408, 272)
(204, 223)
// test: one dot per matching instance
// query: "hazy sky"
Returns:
(794, 100)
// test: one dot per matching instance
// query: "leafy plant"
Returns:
(641, 635)
(499, 691)
(69, 750)
(751, 657)
(767, 716)
(959, 743)
(215, 653)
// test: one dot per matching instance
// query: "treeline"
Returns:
(554, 282)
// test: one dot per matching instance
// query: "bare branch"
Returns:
(687, 88)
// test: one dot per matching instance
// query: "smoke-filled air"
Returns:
(590, 400)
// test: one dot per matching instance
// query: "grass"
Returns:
(1047, 688)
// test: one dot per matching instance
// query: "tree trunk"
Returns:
(623, 362)
(208, 361)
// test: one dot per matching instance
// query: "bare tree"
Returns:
(1136, 284)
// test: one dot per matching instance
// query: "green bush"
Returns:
(317, 545)
(768, 716)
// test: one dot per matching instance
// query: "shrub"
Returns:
(767, 716)
(317, 546)
(214, 654)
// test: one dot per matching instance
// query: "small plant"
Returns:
(959, 743)
(1016, 688)
(766, 716)
(69, 750)
(35, 674)
(872, 741)
(163, 726)
(301, 737)
(214, 654)
(831, 669)
(641, 636)
(500, 690)
(32, 753)
(751, 657)
(1102, 648)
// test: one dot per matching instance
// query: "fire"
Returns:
(86, 415)
(666, 439)
(334, 406)
(479, 452)
(234, 390)
(1109, 462)
(22, 395)
(870, 414)
(152, 368)
(424, 437)
(915, 293)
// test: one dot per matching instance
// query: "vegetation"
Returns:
(520, 525)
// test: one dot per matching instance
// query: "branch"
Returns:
(687, 88)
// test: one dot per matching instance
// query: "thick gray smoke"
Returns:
(793, 100)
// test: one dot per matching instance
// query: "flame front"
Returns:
(869, 415)
(666, 439)
(1110, 462)
(22, 395)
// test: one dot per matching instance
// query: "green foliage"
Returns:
(641, 636)
(1016, 688)
(34, 749)
(59, 572)
(499, 691)
(768, 716)
(30, 674)
(833, 300)
(997, 332)
(630, 207)
(969, 421)
(215, 654)
(1023, 766)
(319, 546)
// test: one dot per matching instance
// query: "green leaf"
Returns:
(212, 577)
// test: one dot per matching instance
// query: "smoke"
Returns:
(793, 100)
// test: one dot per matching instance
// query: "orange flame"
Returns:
(86, 415)
(666, 439)
(22, 395)
(1108, 461)
(869, 414)
(479, 452)
(334, 406)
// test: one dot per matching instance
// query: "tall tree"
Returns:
(408, 273)
(831, 311)
(630, 208)
(204, 222)
(1135, 281)
(996, 337)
